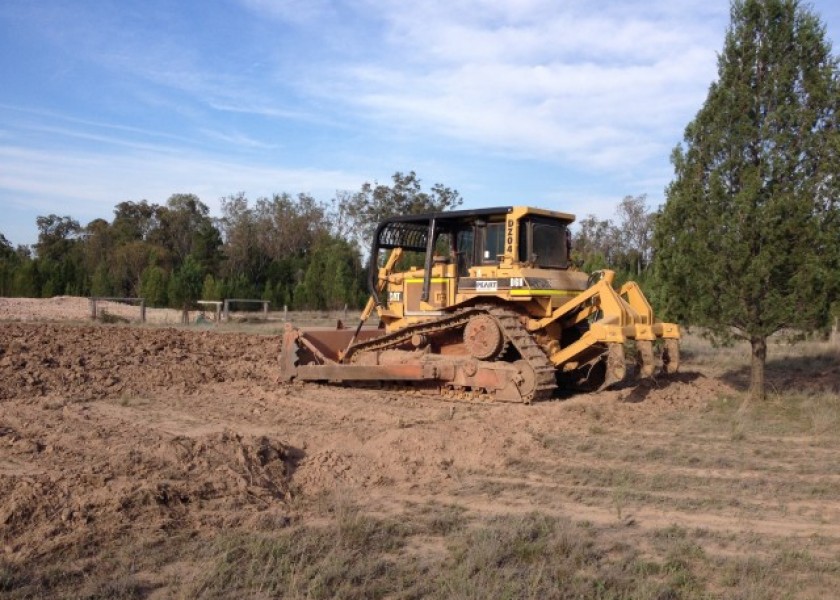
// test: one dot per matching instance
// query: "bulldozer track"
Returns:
(529, 350)
(514, 333)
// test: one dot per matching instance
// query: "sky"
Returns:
(568, 105)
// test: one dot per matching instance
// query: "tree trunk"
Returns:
(759, 357)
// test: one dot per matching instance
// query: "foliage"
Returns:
(746, 244)
(185, 284)
(358, 214)
(153, 285)
(101, 282)
(212, 289)
(8, 262)
(291, 250)
(623, 246)
(333, 278)
(56, 236)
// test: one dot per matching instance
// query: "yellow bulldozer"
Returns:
(485, 303)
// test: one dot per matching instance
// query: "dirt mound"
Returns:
(84, 363)
(66, 488)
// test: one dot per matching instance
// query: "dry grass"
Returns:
(436, 551)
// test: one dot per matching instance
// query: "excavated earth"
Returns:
(111, 431)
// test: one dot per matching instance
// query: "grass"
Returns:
(349, 554)
(362, 556)
(529, 556)
(808, 364)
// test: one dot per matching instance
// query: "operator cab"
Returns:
(543, 242)
(472, 242)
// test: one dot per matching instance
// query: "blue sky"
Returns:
(563, 104)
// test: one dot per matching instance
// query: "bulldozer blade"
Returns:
(315, 347)
(503, 380)
(330, 343)
(336, 372)
(289, 354)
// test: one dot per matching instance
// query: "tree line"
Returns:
(289, 249)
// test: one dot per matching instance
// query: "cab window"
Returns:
(465, 250)
(548, 243)
(494, 243)
(544, 243)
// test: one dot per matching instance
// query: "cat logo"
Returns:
(394, 296)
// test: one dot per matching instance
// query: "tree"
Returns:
(6, 250)
(288, 225)
(624, 247)
(134, 221)
(8, 265)
(746, 243)
(185, 286)
(634, 229)
(60, 256)
(56, 236)
(211, 289)
(100, 284)
(127, 265)
(359, 213)
(239, 231)
(153, 285)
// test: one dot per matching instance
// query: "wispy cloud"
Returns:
(598, 89)
(236, 139)
(89, 184)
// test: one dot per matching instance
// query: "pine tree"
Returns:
(153, 285)
(746, 244)
(185, 286)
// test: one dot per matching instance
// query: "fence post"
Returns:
(227, 310)
(285, 313)
(142, 310)
(93, 308)
(265, 309)
(835, 332)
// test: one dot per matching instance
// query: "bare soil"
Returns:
(116, 441)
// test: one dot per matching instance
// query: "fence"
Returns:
(217, 308)
(228, 301)
(94, 299)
